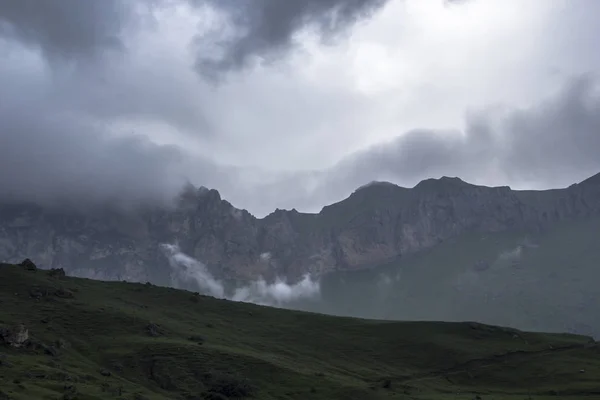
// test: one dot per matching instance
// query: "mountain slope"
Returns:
(378, 223)
(97, 340)
(544, 281)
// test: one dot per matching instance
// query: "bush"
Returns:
(230, 386)
(196, 338)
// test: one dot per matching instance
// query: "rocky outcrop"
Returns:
(16, 337)
(377, 223)
(28, 265)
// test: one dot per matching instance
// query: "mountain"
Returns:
(378, 223)
(543, 281)
(72, 338)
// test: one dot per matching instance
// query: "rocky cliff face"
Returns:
(377, 223)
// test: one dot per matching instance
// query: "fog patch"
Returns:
(511, 255)
(236, 213)
(277, 293)
(488, 276)
(386, 285)
(385, 281)
(186, 271)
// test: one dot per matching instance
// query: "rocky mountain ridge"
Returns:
(379, 222)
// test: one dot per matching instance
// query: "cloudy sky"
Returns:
(293, 104)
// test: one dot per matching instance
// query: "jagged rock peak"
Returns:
(202, 190)
(376, 184)
(377, 223)
(445, 182)
(376, 189)
(213, 194)
(279, 213)
(592, 180)
(193, 194)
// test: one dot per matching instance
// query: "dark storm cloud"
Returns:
(557, 138)
(52, 157)
(56, 128)
(262, 29)
(552, 143)
(265, 29)
(52, 152)
(65, 28)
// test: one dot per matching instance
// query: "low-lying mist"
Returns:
(539, 284)
(192, 274)
(522, 287)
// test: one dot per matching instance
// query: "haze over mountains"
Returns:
(378, 223)
(108, 108)
(496, 243)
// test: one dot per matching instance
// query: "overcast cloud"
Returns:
(293, 104)
(263, 31)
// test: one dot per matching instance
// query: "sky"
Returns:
(281, 104)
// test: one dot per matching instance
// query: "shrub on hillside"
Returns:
(230, 386)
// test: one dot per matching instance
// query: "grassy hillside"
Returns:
(100, 340)
(533, 281)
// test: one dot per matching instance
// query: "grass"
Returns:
(114, 340)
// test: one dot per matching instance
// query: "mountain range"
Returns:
(378, 223)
